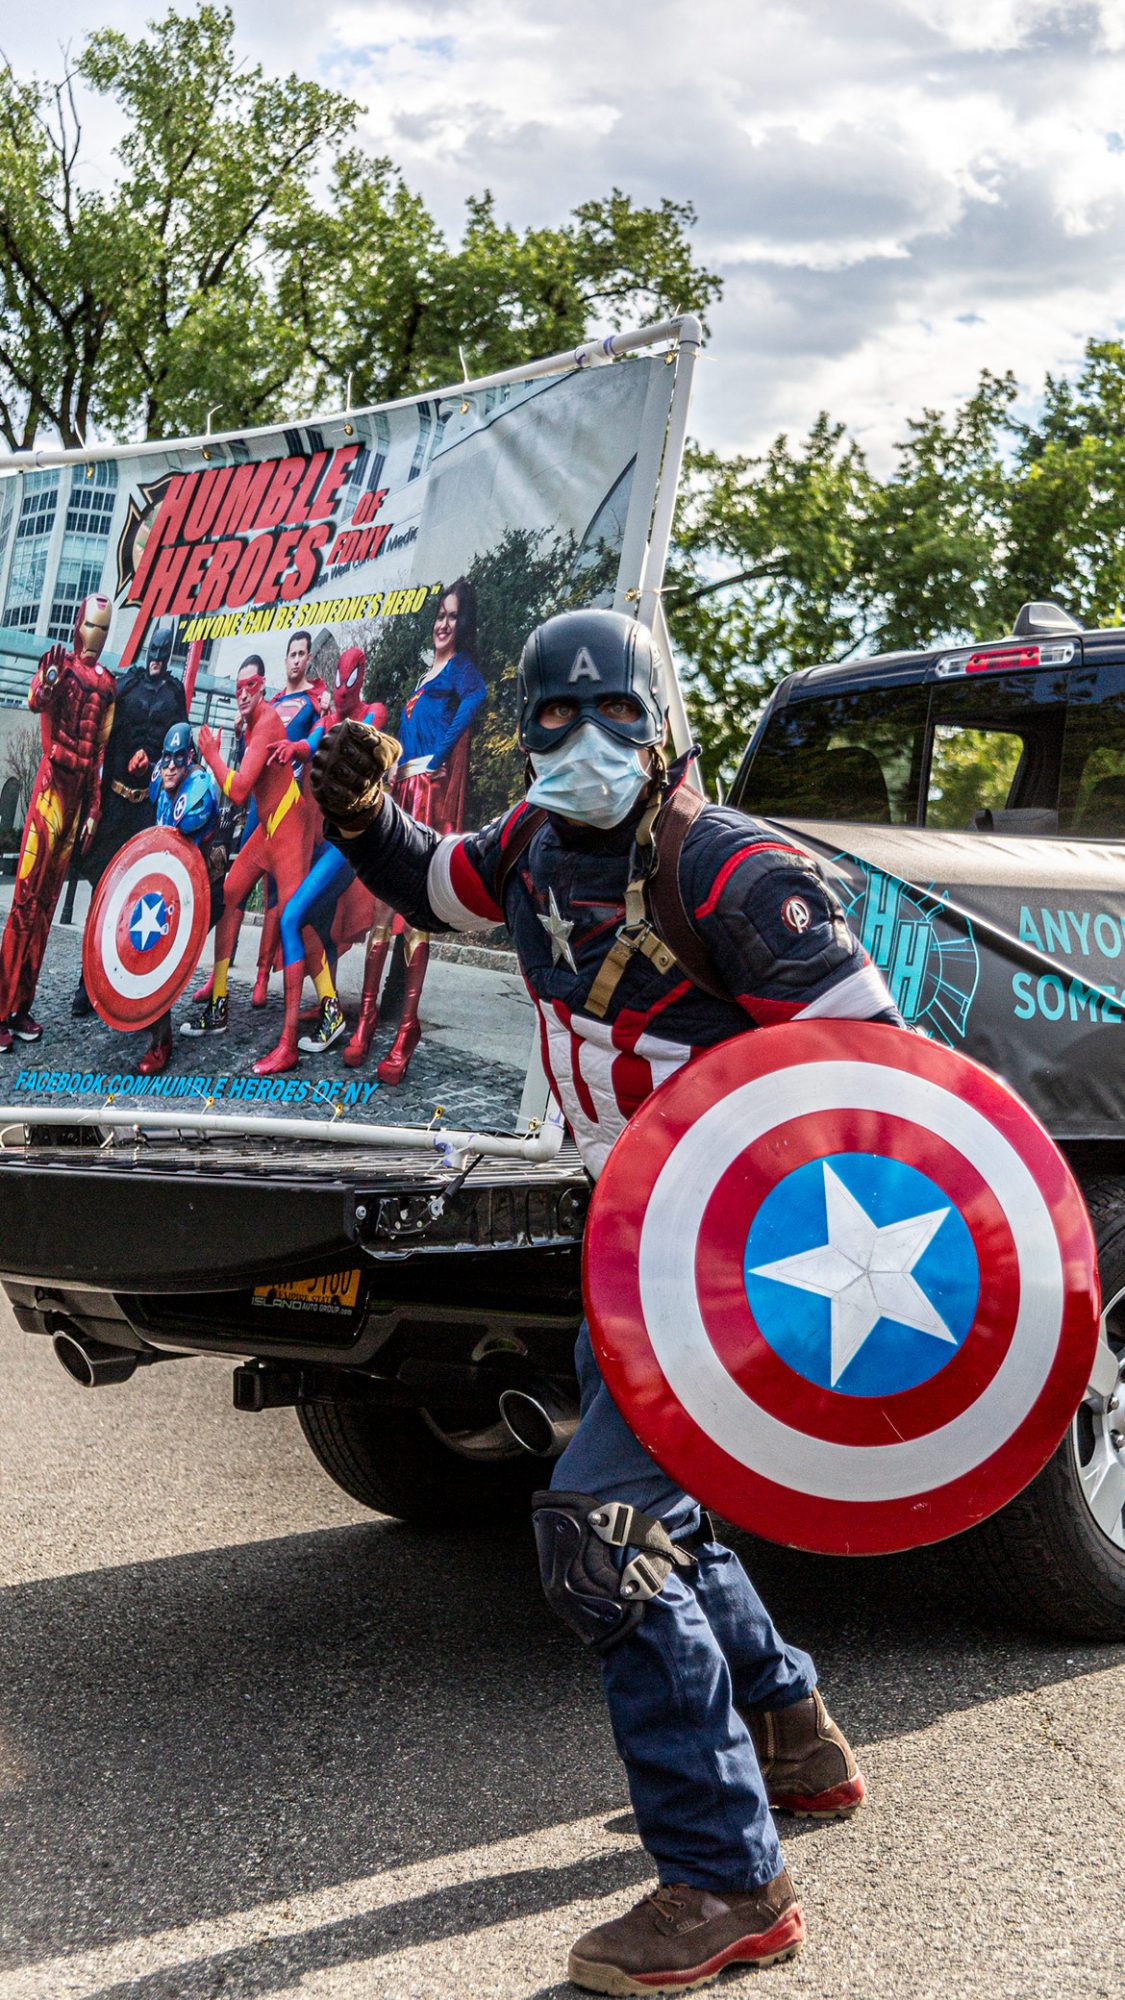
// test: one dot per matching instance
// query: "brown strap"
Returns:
(665, 901)
(518, 843)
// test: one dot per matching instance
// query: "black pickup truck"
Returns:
(971, 805)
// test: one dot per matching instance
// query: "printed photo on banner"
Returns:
(173, 923)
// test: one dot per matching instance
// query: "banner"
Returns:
(388, 564)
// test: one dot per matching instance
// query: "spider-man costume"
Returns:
(330, 877)
(73, 696)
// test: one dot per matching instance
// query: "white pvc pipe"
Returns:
(690, 341)
(535, 1147)
(605, 348)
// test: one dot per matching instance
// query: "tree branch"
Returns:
(775, 568)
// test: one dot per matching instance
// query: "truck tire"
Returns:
(422, 1469)
(1050, 1560)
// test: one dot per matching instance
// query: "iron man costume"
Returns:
(73, 695)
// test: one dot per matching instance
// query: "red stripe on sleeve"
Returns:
(736, 861)
(768, 1013)
(468, 887)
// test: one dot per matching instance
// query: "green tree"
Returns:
(1067, 510)
(767, 573)
(803, 555)
(250, 256)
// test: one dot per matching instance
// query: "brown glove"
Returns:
(347, 773)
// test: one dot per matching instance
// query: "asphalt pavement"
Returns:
(257, 1742)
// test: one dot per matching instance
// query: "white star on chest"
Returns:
(558, 930)
(865, 1270)
(147, 921)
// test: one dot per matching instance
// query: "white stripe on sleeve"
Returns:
(445, 903)
(855, 998)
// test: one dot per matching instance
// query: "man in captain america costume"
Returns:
(72, 694)
(186, 799)
(717, 1719)
(331, 875)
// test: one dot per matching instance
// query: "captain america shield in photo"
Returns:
(842, 1285)
(148, 918)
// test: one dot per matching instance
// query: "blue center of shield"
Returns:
(149, 921)
(861, 1274)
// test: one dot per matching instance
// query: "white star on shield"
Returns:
(558, 930)
(149, 921)
(865, 1270)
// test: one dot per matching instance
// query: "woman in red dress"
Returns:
(430, 783)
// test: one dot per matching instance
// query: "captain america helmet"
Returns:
(584, 657)
(196, 804)
(179, 747)
(161, 640)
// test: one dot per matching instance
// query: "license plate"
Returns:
(330, 1295)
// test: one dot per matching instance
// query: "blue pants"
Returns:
(705, 1643)
(325, 882)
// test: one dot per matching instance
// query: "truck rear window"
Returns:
(846, 757)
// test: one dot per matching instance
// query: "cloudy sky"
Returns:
(897, 193)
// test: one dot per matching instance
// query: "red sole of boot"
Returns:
(783, 1940)
(838, 1803)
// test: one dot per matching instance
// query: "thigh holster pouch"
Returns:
(577, 1537)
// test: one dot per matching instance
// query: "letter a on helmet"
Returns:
(842, 1285)
(581, 657)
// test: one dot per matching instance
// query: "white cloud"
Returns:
(898, 192)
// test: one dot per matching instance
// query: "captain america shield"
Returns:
(842, 1285)
(148, 918)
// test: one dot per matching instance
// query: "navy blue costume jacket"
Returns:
(772, 926)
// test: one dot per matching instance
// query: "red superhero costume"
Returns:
(72, 694)
(280, 847)
(300, 710)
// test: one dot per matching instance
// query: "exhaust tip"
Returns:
(91, 1363)
(539, 1422)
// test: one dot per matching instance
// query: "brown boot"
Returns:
(681, 1937)
(807, 1762)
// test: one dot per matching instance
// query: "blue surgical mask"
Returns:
(591, 777)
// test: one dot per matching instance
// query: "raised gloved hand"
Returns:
(348, 771)
(53, 660)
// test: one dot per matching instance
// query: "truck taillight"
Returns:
(1004, 659)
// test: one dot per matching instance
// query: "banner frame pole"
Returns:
(537, 1145)
(652, 578)
(594, 353)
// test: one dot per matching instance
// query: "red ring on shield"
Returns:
(144, 932)
(747, 1354)
(663, 1276)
